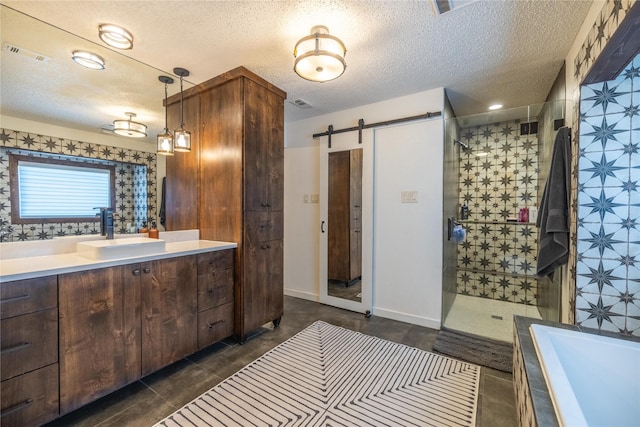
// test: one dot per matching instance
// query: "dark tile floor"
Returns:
(152, 398)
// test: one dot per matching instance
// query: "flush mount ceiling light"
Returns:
(127, 127)
(165, 139)
(181, 137)
(115, 36)
(319, 56)
(495, 107)
(88, 59)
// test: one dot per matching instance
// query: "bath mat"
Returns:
(330, 376)
(476, 349)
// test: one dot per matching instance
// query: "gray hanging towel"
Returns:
(553, 214)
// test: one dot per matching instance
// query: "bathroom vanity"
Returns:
(75, 329)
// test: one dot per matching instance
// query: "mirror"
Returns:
(344, 247)
(41, 82)
(45, 93)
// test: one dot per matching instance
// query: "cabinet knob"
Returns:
(265, 247)
(136, 272)
(147, 270)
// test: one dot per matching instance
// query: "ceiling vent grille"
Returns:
(301, 103)
(24, 52)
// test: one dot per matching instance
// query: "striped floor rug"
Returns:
(331, 376)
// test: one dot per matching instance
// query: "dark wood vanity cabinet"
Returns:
(29, 351)
(100, 340)
(237, 165)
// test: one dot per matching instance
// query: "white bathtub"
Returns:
(593, 380)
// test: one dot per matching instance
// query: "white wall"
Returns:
(411, 297)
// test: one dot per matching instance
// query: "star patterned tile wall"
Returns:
(608, 252)
(135, 182)
(498, 176)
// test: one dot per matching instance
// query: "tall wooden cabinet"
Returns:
(344, 240)
(231, 185)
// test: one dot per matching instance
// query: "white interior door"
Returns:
(330, 293)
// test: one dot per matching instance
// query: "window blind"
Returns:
(61, 191)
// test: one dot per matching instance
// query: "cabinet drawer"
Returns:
(263, 226)
(215, 289)
(30, 399)
(26, 296)
(215, 324)
(28, 342)
(214, 261)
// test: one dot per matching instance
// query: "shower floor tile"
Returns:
(486, 317)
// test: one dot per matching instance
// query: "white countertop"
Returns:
(47, 265)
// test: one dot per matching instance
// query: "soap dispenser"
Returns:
(153, 231)
(144, 228)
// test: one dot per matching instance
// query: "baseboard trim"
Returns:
(302, 295)
(408, 318)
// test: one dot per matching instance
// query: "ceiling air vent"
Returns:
(24, 52)
(444, 6)
(300, 103)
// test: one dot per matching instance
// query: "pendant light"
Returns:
(319, 56)
(165, 140)
(181, 137)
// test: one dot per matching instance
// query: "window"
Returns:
(51, 190)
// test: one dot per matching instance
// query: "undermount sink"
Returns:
(120, 248)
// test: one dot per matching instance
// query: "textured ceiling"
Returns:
(483, 52)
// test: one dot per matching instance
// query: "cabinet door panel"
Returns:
(263, 149)
(99, 333)
(169, 311)
(263, 287)
(30, 399)
(29, 342)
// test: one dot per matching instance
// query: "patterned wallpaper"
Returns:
(608, 233)
(135, 182)
(498, 176)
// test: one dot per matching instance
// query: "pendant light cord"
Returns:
(166, 121)
(181, 106)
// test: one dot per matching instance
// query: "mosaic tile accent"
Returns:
(612, 14)
(135, 182)
(608, 228)
(498, 175)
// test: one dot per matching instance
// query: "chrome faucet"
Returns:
(106, 222)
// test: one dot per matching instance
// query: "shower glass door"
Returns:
(503, 159)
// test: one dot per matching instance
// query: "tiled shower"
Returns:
(498, 177)
(502, 160)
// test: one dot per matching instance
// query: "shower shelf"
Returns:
(469, 221)
(498, 273)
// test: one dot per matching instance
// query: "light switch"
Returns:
(306, 198)
(315, 198)
(409, 197)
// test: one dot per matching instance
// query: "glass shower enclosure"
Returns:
(498, 164)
